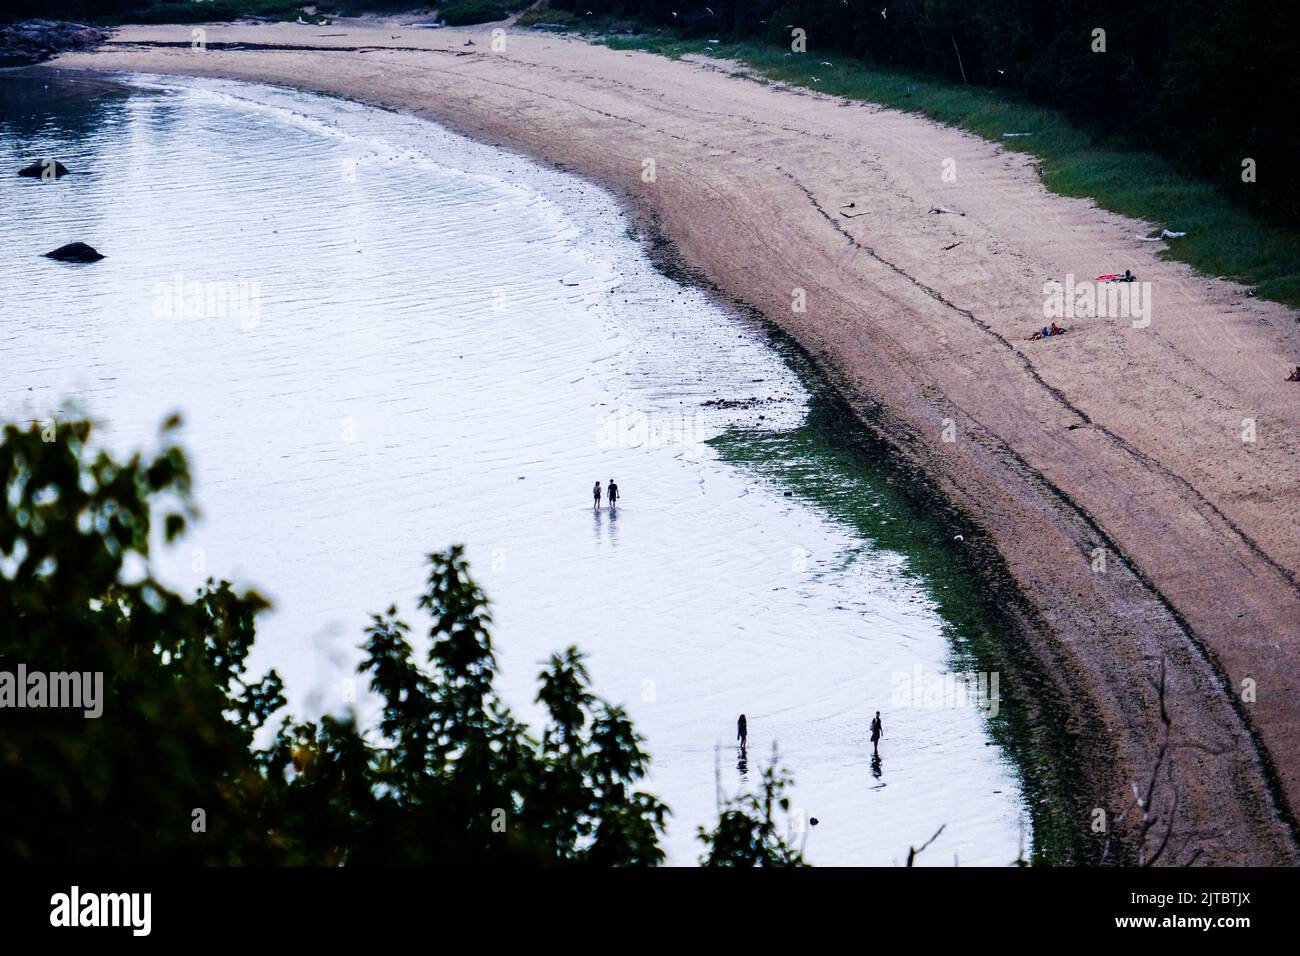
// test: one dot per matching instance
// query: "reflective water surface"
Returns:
(385, 338)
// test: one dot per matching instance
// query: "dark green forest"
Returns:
(171, 771)
(189, 11)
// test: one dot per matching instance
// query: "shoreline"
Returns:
(1055, 767)
(1048, 758)
(777, 605)
(891, 334)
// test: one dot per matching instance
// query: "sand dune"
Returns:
(1113, 441)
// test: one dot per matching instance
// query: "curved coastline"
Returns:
(1085, 647)
(779, 574)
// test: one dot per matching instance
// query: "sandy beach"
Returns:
(1139, 480)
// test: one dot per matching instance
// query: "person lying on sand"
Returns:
(1294, 376)
(1115, 277)
(1046, 332)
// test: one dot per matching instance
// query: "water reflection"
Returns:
(604, 526)
(388, 398)
(40, 107)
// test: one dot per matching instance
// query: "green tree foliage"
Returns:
(462, 13)
(448, 776)
(76, 595)
(748, 832)
(189, 11)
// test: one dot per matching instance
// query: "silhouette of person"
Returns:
(877, 731)
(742, 731)
(613, 493)
(595, 494)
(875, 765)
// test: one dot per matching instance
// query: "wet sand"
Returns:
(1113, 442)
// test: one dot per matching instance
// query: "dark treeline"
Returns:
(1207, 83)
(185, 11)
(95, 10)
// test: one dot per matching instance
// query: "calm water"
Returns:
(385, 338)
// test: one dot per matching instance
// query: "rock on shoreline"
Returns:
(33, 41)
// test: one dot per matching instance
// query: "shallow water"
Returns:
(427, 340)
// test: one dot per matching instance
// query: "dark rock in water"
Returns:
(33, 41)
(37, 169)
(74, 252)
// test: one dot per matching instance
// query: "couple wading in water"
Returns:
(877, 729)
(611, 492)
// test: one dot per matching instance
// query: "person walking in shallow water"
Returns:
(742, 731)
(877, 731)
(595, 496)
(612, 494)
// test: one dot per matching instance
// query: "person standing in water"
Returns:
(612, 494)
(742, 731)
(877, 731)
(595, 495)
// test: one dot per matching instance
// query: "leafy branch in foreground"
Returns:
(169, 773)
(748, 832)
